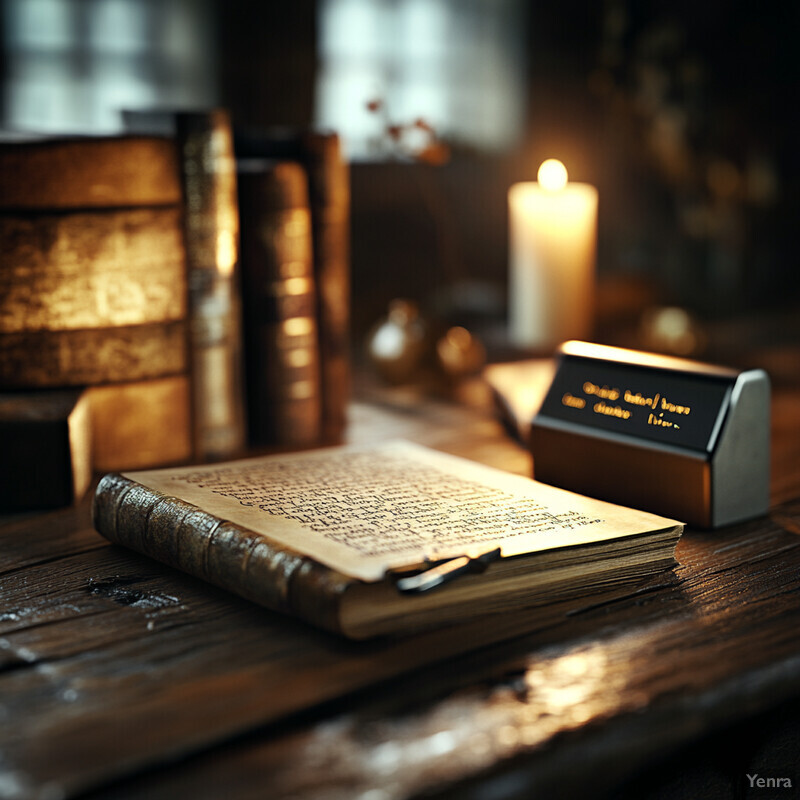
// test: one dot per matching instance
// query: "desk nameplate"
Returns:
(685, 439)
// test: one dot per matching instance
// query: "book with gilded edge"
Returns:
(381, 539)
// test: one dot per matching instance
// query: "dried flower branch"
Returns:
(412, 141)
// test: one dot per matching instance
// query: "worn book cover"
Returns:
(204, 140)
(328, 178)
(41, 173)
(281, 344)
(381, 539)
(92, 280)
(141, 424)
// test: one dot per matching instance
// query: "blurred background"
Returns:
(682, 115)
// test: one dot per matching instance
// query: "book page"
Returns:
(364, 510)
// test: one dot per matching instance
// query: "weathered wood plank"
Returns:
(639, 675)
(110, 661)
(30, 538)
(114, 662)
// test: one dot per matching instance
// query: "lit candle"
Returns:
(553, 233)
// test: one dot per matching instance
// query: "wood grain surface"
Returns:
(124, 679)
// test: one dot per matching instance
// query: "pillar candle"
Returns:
(553, 233)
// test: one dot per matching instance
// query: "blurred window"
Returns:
(457, 64)
(73, 65)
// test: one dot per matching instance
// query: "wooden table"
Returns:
(121, 678)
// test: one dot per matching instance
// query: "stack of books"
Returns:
(93, 294)
(294, 213)
(190, 307)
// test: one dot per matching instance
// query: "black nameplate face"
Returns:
(684, 409)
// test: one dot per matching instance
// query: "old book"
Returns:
(93, 276)
(88, 172)
(42, 359)
(328, 176)
(45, 458)
(329, 189)
(281, 345)
(211, 225)
(91, 269)
(140, 424)
(383, 539)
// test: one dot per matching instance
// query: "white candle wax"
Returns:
(553, 233)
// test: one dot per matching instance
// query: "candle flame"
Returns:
(552, 175)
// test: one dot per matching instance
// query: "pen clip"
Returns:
(445, 572)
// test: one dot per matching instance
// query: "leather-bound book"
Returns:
(384, 539)
(279, 305)
(92, 271)
(42, 359)
(140, 424)
(88, 172)
(93, 293)
(328, 177)
(211, 223)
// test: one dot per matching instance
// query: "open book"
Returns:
(381, 539)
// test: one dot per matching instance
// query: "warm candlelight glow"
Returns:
(552, 175)
(552, 251)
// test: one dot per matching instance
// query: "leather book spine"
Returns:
(328, 178)
(43, 359)
(88, 172)
(93, 277)
(279, 303)
(98, 269)
(329, 197)
(211, 233)
(227, 555)
(93, 289)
